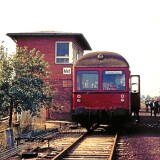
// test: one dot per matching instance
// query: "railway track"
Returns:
(77, 144)
(96, 145)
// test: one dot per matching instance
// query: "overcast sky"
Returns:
(128, 27)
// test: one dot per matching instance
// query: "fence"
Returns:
(3, 141)
(6, 136)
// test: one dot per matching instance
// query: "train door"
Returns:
(135, 92)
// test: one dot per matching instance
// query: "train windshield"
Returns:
(113, 80)
(87, 80)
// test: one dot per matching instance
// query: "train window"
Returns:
(113, 80)
(87, 80)
(135, 82)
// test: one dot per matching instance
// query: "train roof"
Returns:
(102, 59)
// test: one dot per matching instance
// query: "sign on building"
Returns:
(66, 70)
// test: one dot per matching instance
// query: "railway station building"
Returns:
(61, 50)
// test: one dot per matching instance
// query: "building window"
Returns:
(76, 53)
(62, 52)
(66, 52)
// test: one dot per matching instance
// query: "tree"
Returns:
(28, 87)
(148, 97)
(142, 97)
(6, 72)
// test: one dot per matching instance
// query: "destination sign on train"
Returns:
(113, 72)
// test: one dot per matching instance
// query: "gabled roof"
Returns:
(79, 36)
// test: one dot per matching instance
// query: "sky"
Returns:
(128, 27)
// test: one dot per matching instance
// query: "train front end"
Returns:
(101, 89)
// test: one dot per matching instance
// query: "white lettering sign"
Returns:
(113, 72)
(66, 70)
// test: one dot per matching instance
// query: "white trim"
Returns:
(61, 56)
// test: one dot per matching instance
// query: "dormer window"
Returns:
(62, 52)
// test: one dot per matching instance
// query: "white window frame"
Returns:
(70, 56)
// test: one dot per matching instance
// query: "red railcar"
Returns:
(102, 89)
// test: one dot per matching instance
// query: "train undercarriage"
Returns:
(88, 118)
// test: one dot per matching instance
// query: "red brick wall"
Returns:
(46, 45)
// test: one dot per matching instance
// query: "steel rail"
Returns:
(61, 154)
(113, 147)
(109, 154)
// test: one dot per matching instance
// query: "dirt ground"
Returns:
(143, 139)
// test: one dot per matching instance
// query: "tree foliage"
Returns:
(6, 72)
(25, 82)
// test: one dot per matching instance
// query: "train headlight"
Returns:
(122, 99)
(78, 100)
(78, 96)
